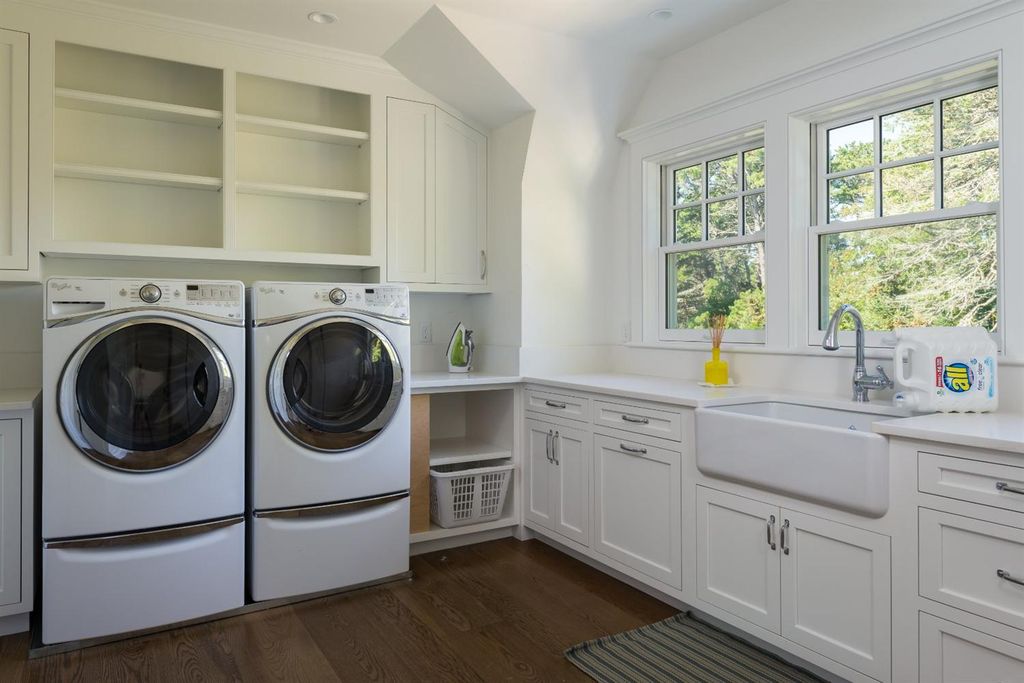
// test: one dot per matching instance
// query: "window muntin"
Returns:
(907, 226)
(712, 254)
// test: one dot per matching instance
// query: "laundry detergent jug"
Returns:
(945, 369)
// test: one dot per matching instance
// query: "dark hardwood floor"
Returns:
(497, 611)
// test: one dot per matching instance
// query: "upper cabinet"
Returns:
(13, 151)
(437, 199)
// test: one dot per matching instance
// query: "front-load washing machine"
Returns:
(143, 465)
(329, 436)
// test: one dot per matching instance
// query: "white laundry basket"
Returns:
(469, 492)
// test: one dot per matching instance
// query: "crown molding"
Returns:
(96, 9)
(957, 23)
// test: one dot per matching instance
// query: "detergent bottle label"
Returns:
(958, 377)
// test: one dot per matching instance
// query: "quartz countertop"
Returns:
(425, 382)
(996, 431)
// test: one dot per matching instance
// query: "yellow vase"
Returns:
(716, 370)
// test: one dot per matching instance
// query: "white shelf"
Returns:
(262, 125)
(130, 106)
(437, 532)
(136, 176)
(301, 192)
(462, 449)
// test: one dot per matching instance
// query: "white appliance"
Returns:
(330, 436)
(143, 465)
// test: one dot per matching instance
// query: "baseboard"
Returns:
(14, 623)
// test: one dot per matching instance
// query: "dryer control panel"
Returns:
(277, 299)
(73, 297)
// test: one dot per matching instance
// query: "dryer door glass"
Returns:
(335, 384)
(147, 394)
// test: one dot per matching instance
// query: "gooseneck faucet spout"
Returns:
(862, 381)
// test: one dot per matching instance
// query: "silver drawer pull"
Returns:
(636, 420)
(554, 404)
(1006, 576)
(1003, 486)
(631, 449)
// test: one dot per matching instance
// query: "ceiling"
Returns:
(372, 26)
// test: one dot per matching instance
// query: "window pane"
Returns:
(970, 119)
(851, 146)
(688, 225)
(970, 178)
(723, 176)
(908, 133)
(940, 273)
(753, 169)
(851, 197)
(908, 188)
(723, 219)
(726, 280)
(753, 213)
(688, 184)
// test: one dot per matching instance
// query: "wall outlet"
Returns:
(624, 333)
(426, 334)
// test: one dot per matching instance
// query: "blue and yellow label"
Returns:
(958, 377)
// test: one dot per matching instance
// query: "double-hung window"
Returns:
(712, 246)
(907, 212)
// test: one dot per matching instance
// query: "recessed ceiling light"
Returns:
(319, 17)
(662, 14)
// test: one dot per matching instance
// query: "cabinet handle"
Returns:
(1006, 576)
(547, 446)
(636, 420)
(770, 530)
(632, 449)
(554, 404)
(1003, 486)
(554, 449)
(483, 264)
(782, 537)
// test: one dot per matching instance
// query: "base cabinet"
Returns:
(818, 583)
(558, 485)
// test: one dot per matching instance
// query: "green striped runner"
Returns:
(681, 649)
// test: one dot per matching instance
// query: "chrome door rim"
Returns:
(290, 422)
(127, 460)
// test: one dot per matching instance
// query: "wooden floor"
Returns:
(498, 611)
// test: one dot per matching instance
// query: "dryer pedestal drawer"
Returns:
(104, 586)
(310, 550)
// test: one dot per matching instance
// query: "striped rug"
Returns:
(680, 649)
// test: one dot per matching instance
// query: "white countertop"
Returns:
(996, 431)
(425, 382)
(17, 399)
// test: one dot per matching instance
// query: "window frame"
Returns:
(666, 234)
(817, 287)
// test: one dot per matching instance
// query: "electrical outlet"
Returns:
(624, 333)
(426, 335)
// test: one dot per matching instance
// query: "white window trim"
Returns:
(819, 223)
(667, 245)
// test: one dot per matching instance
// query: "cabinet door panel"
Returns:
(638, 507)
(539, 488)
(13, 150)
(461, 202)
(572, 483)
(411, 157)
(836, 592)
(10, 511)
(737, 568)
(951, 653)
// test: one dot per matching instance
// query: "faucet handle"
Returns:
(884, 377)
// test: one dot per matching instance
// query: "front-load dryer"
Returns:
(329, 436)
(143, 465)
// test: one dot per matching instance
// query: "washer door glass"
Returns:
(335, 384)
(146, 394)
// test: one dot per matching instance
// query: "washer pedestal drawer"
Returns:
(323, 548)
(119, 584)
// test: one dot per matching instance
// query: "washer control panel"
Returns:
(275, 299)
(69, 297)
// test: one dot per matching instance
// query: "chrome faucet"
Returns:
(862, 381)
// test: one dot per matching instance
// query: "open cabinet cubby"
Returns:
(138, 152)
(303, 163)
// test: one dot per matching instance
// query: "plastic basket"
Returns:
(468, 492)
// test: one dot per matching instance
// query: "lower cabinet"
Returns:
(11, 528)
(951, 653)
(818, 583)
(558, 481)
(637, 501)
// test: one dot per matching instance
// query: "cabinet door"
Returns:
(13, 150)
(836, 592)
(737, 556)
(540, 493)
(638, 508)
(10, 511)
(572, 483)
(951, 653)
(461, 182)
(410, 191)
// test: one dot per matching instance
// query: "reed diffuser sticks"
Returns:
(718, 322)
